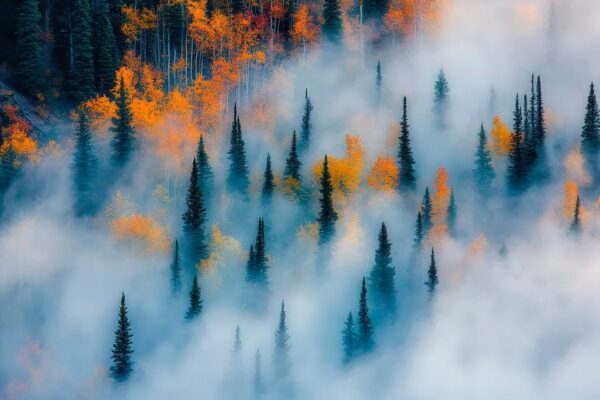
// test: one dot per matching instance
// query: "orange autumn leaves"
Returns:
(384, 174)
(143, 231)
(439, 204)
(16, 133)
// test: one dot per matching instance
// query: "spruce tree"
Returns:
(540, 131)
(306, 126)
(483, 172)
(327, 214)
(269, 184)
(195, 306)
(349, 339)
(590, 135)
(332, 21)
(8, 168)
(105, 62)
(124, 135)
(529, 138)
(237, 341)
(365, 342)
(419, 233)
(81, 82)
(517, 170)
(205, 171)
(122, 347)
(29, 71)
(176, 270)
(381, 278)
(378, 80)
(407, 179)
(575, 227)
(117, 19)
(85, 168)
(237, 179)
(426, 212)
(292, 163)
(260, 257)
(451, 214)
(281, 358)
(432, 275)
(194, 218)
(440, 99)
(251, 265)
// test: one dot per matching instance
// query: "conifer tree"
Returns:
(590, 135)
(440, 99)
(432, 275)
(105, 47)
(195, 307)
(237, 179)
(365, 342)
(29, 71)
(260, 257)
(124, 134)
(451, 214)
(517, 171)
(292, 163)
(529, 138)
(269, 183)
(426, 212)
(251, 265)
(81, 82)
(281, 358)
(575, 227)
(327, 215)
(532, 113)
(483, 172)
(419, 233)
(407, 179)
(205, 172)
(176, 270)
(381, 278)
(122, 347)
(378, 80)
(85, 168)
(237, 341)
(8, 168)
(540, 131)
(349, 339)
(332, 21)
(117, 19)
(306, 126)
(194, 218)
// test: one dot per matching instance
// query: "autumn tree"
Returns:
(407, 180)
(304, 31)
(281, 358)
(124, 134)
(483, 172)
(195, 306)
(500, 138)
(175, 270)
(237, 179)
(194, 218)
(365, 341)
(306, 127)
(205, 171)
(85, 168)
(327, 214)
(384, 174)
(29, 71)
(122, 347)
(332, 21)
(440, 100)
(81, 83)
(575, 227)
(269, 183)
(292, 163)
(381, 278)
(432, 275)
(590, 134)
(517, 169)
(349, 339)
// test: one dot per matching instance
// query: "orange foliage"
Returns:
(143, 231)
(100, 110)
(575, 167)
(400, 17)
(137, 21)
(222, 249)
(16, 133)
(441, 196)
(570, 199)
(500, 135)
(304, 30)
(384, 174)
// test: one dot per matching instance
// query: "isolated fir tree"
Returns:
(517, 168)
(251, 265)
(590, 135)
(426, 212)
(575, 227)
(440, 99)
(432, 275)
(8, 168)
(85, 168)
(176, 270)
(122, 347)
(306, 126)
(407, 180)
(269, 184)
(237, 179)
(365, 341)
(194, 218)
(332, 21)
(237, 341)
(292, 163)
(80, 79)
(124, 134)
(327, 214)
(381, 278)
(205, 171)
(451, 214)
(483, 172)
(378, 80)
(349, 339)
(29, 71)
(195, 306)
(281, 358)
(419, 233)
(105, 55)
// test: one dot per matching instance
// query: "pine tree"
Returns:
(365, 342)
(205, 172)
(483, 173)
(378, 80)
(407, 179)
(381, 278)
(122, 347)
(117, 19)
(194, 218)
(260, 257)
(85, 168)
(29, 71)
(269, 183)
(292, 163)
(540, 131)
(105, 47)
(451, 214)
(123, 140)
(590, 135)
(332, 21)
(306, 127)
(237, 341)
(237, 179)
(327, 214)
(529, 139)
(281, 359)
(575, 228)
(195, 307)
(426, 212)
(349, 339)
(176, 270)
(81, 82)
(432, 275)
(440, 99)
(8, 168)
(419, 233)
(517, 171)
(251, 265)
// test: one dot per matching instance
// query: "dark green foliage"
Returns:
(432, 275)
(381, 278)
(80, 80)
(29, 71)
(349, 339)
(85, 168)
(365, 342)
(440, 99)
(332, 21)
(281, 358)
(540, 131)
(194, 218)
(205, 171)
(124, 135)
(122, 347)
(419, 233)
(407, 179)
(251, 265)
(590, 134)
(237, 179)
(195, 307)
(374, 9)
(293, 164)
(517, 167)
(327, 214)
(483, 173)
(575, 228)
(529, 138)
(176, 270)
(269, 183)
(426, 212)
(451, 215)
(378, 80)
(237, 341)
(257, 266)
(8, 168)
(306, 127)
(105, 62)
(117, 20)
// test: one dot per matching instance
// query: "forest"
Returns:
(299, 199)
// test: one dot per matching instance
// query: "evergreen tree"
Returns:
(8, 168)
(590, 135)
(451, 215)
(81, 82)
(378, 80)
(332, 21)
(257, 266)
(306, 127)
(381, 278)
(407, 179)
(205, 172)
(105, 47)
(85, 168)
(122, 347)
(532, 113)
(194, 218)
(281, 359)
(426, 212)
(327, 214)
(293, 164)
(269, 183)
(251, 265)
(483, 172)
(575, 228)
(419, 233)
(365, 341)
(432, 275)
(529, 139)
(123, 140)
(440, 99)
(237, 180)
(517, 170)
(349, 339)
(540, 131)
(176, 270)
(117, 19)
(195, 307)
(29, 71)
(237, 341)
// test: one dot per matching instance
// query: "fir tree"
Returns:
(205, 172)
(483, 173)
(327, 214)
(306, 127)
(85, 168)
(29, 71)
(365, 342)
(257, 266)
(432, 275)
(105, 63)
(590, 135)
(122, 347)
(251, 265)
(517, 170)
(195, 217)
(195, 307)
(237, 179)
(540, 131)
(419, 233)
(81, 82)
(378, 80)
(426, 212)
(451, 214)
(281, 359)
(237, 341)
(407, 179)
(349, 339)
(176, 270)
(293, 164)
(381, 278)
(332, 21)
(529, 139)
(575, 227)
(8, 168)
(269, 183)
(440, 99)
(122, 142)
(117, 19)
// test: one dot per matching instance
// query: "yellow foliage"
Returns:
(221, 248)
(100, 110)
(500, 135)
(143, 231)
(570, 200)
(384, 174)
(290, 188)
(441, 197)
